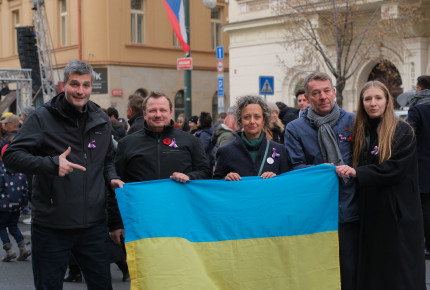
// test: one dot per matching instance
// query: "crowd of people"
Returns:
(76, 154)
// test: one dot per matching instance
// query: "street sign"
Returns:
(267, 85)
(220, 66)
(220, 87)
(220, 52)
(184, 63)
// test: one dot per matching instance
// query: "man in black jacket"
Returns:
(158, 151)
(419, 118)
(134, 113)
(67, 145)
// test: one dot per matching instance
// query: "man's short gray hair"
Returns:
(78, 67)
(244, 101)
(319, 76)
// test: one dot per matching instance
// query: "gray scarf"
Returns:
(326, 138)
(421, 98)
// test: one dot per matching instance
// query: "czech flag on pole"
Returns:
(175, 11)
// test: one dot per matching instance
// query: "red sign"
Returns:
(220, 66)
(185, 63)
(117, 93)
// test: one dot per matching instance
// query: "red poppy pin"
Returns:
(167, 141)
(350, 139)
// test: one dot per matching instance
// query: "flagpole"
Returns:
(187, 73)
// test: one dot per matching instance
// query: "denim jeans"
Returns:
(10, 220)
(52, 249)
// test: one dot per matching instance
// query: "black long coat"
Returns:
(391, 225)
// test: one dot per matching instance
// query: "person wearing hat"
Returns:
(193, 124)
(10, 125)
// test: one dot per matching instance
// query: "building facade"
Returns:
(257, 48)
(130, 44)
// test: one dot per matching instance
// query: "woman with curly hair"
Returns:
(251, 154)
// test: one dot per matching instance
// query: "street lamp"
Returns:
(209, 3)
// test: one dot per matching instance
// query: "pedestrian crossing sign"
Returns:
(267, 85)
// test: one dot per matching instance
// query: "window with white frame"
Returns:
(63, 22)
(15, 19)
(216, 22)
(137, 21)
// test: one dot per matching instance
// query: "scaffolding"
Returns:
(22, 78)
(44, 49)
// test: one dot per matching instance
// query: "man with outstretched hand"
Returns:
(67, 145)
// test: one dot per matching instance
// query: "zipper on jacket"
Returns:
(158, 157)
(85, 184)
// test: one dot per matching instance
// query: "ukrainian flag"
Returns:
(277, 233)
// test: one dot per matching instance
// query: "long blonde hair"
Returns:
(385, 130)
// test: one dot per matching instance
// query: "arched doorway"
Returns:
(387, 73)
(179, 104)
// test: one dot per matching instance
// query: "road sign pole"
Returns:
(187, 73)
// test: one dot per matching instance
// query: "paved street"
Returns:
(18, 275)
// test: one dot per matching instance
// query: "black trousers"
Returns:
(348, 254)
(425, 204)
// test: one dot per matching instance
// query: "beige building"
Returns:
(131, 45)
(256, 49)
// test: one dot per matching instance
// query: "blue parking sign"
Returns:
(220, 87)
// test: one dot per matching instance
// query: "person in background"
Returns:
(385, 166)
(302, 102)
(251, 154)
(323, 135)
(287, 114)
(223, 135)
(25, 112)
(118, 131)
(67, 145)
(183, 123)
(193, 124)
(275, 131)
(221, 118)
(134, 113)
(10, 126)
(13, 197)
(204, 133)
(419, 118)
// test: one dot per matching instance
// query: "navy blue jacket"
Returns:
(419, 118)
(301, 143)
(234, 157)
(13, 190)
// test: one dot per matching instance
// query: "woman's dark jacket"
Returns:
(13, 190)
(234, 157)
(391, 247)
(77, 200)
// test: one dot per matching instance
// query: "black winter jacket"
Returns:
(146, 155)
(77, 200)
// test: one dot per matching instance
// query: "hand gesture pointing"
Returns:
(65, 167)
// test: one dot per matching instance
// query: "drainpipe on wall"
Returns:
(79, 32)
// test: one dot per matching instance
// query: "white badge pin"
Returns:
(270, 160)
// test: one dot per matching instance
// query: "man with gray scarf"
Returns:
(419, 118)
(323, 135)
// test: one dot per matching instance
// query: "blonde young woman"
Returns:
(275, 131)
(385, 165)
